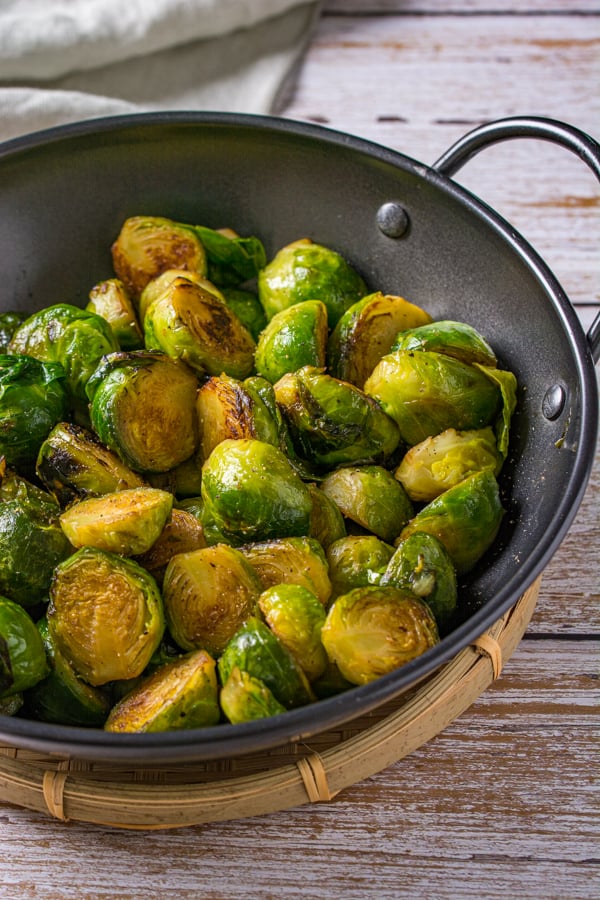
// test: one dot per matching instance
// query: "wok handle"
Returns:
(567, 136)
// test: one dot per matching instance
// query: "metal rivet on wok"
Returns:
(554, 401)
(392, 219)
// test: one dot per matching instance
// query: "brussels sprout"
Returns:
(140, 402)
(444, 460)
(507, 384)
(73, 337)
(304, 270)
(9, 322)
(148, 245)
(252, 492)
(105, 615)
(421, 564)
(332, 422)
(231, 259)
(126, 522)
(425, 393)
(182, 534)
(456, 339)
(228, 409)
(374, 630)
(357, 561)
(32, 401)
(22, 655)
(73, 464)
(208, 594)
(212, 534)
(188, 322)
(296, 560)
(247, 308)
(160, 285)
(110, 300)
(244, 698)
(371, 497)
(465, 518)
(32, 542)
(366, 332)
(62, 697)
(256, 650)
(295, 615)
(11, 705)
(295, 337)
(180, 694)
(184, 480)
(326, 521)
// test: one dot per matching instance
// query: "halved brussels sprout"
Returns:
(252, 492)
(244, 698)
(32, 542)
(256, 650)
(9, 322)
(247, 307)
(374, 630)
(295, 615)
(208, 594)
(32, 401)
(182, 534)
(326, 522)
(443, 460)
(456, 339)
(227, 409)
(357, 561)
(189, 323)
(295, 560)
(232, 259)
(160, 285)
(111, 300)
(332, 422)
(148, 245)
(304, 270)
(22, 655)
(465, 518)
(180, 694)
(425, 393)
(126, 522)
(295, 337)
(144, 408)
(421, 564)
(105, 615)
(366, 332)
(371, 497)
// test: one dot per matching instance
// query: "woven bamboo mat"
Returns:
(174, 796)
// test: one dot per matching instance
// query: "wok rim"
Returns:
(226, 740)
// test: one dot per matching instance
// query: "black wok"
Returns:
(410, 230)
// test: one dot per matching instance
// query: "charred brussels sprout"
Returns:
(332, 422)
(230, 409)
(455, 339)
(422, 565)
(180, 694)
(32, 401)
(247, 308)
(9, 322)
(366, 332)
(252, 492)
(296, 560)
(22, 655)
(357, 561)
(111, 300)
(140, 402)
(161, 284)
(373, 630)
(295, 615)
(371, 497)
(304, 270)
(208, 594)
(105, 615)
(244, 698)
(182, 534)
(295, 337)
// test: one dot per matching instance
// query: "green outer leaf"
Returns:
(507, 383)
(231, 261)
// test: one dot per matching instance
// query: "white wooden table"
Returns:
(504, 803)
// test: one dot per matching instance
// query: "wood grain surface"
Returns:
(504, 803)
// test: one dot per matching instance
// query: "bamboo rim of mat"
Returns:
(176, 796)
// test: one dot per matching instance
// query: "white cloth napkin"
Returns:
(66, 60)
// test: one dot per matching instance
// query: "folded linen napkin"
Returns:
(75, 59)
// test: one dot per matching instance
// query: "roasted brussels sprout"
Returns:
(371, 497)
(244, 698)
(304, 270)
(256, 650)
(421, 564)
(456, 339)
(232, 259)
(357, 560)
(252, 492)
(373, 630)
(441, 461)
(160, 285)
(189, 323)
(366, 332)
(326, 522)
(247, 307)
(9, 322)
(296, 616)
(111, 300)
(295, 560)
(105, 615)
(126, 522)
(208, 594)
(22, 655)
(182, 534)
(230, 409)
(140, 402)
(148, 245)
(295, 337)
(182, 693)
(32, 401)
(465, 518)
(332, 422)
